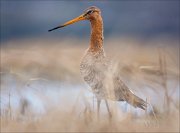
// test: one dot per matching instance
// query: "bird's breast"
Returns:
(92, 68)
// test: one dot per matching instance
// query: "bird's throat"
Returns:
(96, 41)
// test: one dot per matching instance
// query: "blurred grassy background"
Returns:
(56, 61)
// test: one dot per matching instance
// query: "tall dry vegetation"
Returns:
(150, 68)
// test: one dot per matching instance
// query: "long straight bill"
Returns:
(81, 17)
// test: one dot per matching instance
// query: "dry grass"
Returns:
(146, 66)
(57, 121)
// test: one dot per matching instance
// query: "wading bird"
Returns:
(96, 69)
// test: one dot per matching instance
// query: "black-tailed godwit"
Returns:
(96, 69)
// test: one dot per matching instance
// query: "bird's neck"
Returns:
(96, 41)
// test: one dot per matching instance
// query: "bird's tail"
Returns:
(137, 102)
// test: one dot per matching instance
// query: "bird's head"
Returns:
(91, 13)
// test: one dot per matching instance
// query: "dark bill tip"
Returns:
(56, 28)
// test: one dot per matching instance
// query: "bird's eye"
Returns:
(89, 12)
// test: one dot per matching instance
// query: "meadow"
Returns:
(42, 89)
